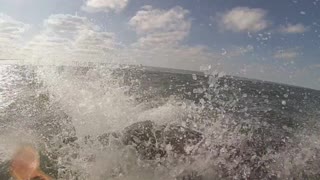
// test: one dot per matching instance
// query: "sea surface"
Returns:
(75, 116)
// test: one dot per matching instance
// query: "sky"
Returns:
(271, 40)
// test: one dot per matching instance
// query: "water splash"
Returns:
(76, 116)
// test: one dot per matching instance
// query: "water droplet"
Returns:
(224, 52)
(284, 102)
(202, 101)
(194, 77)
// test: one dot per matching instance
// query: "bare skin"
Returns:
(25, 165)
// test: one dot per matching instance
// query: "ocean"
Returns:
(122, 122)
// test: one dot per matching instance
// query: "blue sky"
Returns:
(270, 40)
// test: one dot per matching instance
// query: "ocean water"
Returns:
(132, 123)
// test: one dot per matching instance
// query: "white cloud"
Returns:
(162, 27)
(244, 19)
(66, 25)
(67, 37)
(10, 28)
(93, 42)
(150, 20)
(288, 54)
(11, 32)
(293, 29)
(105, 5)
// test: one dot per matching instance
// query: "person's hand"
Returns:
(25, 164)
